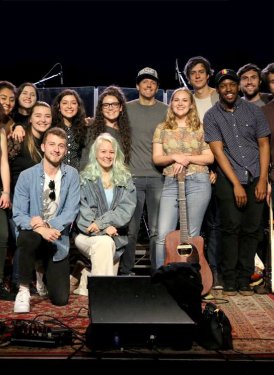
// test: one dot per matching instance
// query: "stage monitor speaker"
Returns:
(131, 311)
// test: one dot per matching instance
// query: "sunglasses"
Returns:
(52, 195)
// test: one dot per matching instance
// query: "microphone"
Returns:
(61, 78)
(178, 75)
(176, 70)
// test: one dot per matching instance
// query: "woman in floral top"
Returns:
(179, 143)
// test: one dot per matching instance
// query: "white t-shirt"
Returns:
(49, 205)
(203, 106)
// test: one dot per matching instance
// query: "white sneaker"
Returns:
(22, 301)
(83, 286)
(41, 289)
(40, 285)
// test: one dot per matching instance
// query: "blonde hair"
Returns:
(192, 118)
(120, 174)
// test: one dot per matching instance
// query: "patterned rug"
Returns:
(252, 320)
(73, 316)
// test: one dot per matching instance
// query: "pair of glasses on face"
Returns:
(114, 105)
(52, 194)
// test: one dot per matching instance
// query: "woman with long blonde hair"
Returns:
(179, 143)
(108, 201)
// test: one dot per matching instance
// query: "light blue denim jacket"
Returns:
(94, 208)
(28, 202)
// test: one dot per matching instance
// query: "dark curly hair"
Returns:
(78, 123)
(99, 126)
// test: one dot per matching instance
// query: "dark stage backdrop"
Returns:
(89, 95)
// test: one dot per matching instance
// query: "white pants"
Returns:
(100, 250)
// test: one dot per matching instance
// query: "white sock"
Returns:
(39, 277)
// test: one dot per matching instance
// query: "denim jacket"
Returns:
(28, 202)
(94, 208)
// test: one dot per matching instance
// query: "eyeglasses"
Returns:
(52, 195)
(114, 105)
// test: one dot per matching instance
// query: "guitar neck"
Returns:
(183, 215)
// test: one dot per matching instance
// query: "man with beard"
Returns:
(250, 80)
(237, 132)
(46, 202)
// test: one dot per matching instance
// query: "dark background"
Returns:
(108, 42)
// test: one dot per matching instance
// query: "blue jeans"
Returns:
(198, 192)
(149, 190)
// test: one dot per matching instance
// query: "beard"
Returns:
(251, 96)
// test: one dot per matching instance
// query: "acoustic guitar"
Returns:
(182, 248)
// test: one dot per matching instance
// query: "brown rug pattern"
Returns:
(252, 320)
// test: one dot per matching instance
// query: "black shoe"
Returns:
(262, 288)
(5, 294)
(229, 291)
(245, 290)
(218, 283)
(14, 288)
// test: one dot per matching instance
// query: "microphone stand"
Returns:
(180, 78)
(46, 79)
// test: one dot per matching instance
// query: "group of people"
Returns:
(65, 175)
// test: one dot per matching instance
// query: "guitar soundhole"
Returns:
(189, 251)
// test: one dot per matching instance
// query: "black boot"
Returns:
(5, 294)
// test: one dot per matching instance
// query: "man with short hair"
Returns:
(250, 80)
(237, 132)
(46, 202)
(268, 109)
(144, 113)
(198, 72)
(268, 77)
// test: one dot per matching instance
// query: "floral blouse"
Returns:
(182, 140)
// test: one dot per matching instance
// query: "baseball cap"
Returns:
(226, 74)
(147, 73)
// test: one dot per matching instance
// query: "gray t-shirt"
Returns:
(143, 122)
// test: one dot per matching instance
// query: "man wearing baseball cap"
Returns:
(237, 132)
(144, 113)
(147, 73)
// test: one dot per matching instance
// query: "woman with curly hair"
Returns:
(108, 200)
(68, 113)
(179, 143)
(111, 116)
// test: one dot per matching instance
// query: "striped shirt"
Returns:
(239, 131)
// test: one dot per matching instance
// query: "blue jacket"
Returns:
(94, 208)
(28, 202)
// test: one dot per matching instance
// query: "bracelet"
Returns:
(5, 192)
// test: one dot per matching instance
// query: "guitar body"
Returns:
(191, 251)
